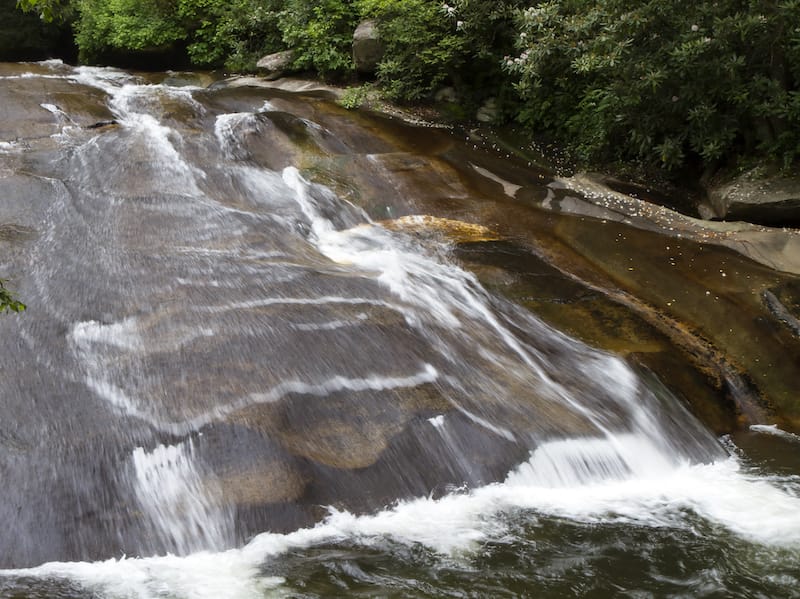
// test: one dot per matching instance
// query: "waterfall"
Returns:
(229, 362)
(183, 507)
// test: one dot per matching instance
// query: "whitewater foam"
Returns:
(772, 429)
(183, 504)
(457, 524)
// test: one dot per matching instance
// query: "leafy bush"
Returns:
(321, 33)
(108, 25)
(423, 46)
(213, 32)
(662, 80)
(235, 34)
(49, 10)
(489, 31)
(355, 97)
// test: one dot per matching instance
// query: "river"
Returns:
(274, 348)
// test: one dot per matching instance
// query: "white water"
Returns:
(772, 429)
(184, 506)
(456, 525)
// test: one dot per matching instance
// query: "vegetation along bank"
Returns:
(705, 92)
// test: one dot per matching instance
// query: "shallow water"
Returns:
(243, 374)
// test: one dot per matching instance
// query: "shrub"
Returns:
(235, 34)
(355, 97)
(49, 10)
(321, 33)
(113, 25)
(423, 47)
(8, 301)
(662, 80)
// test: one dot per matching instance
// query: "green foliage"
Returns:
(105, 25)
(235, 34)
(663, 81)
(429, 44)
(355, 97)
(321, 33)
(214, 32)
(49, 10)
(7, 300)
(423, 46)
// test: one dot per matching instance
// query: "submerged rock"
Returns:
(454, 230)
(783, 302)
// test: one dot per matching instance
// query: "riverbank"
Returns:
(700, 104)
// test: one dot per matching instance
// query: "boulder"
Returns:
(771, 200)
(275, 65)
(446, 94)
(367, 46)
(488, 113)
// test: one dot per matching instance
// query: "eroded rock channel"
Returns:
(245, 305)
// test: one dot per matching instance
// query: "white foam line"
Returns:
(31, 76)
(501, 432)
(298, 301)
(118, 398)
(428, 374)
(235, 252)
(329, 326)
(772, 429)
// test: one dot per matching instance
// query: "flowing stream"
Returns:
(245, 373)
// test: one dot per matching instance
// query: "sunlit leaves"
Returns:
(49, 10)
(8, 301)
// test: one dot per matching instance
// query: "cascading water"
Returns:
(183, 508)
(217, 346)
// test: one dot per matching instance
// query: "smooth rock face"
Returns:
(282, 345)
(367, 46)
(276, 64)
(771, 201)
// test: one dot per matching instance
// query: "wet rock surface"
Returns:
(199, 307)
(752, 197)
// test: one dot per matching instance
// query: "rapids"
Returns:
(247, 369)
